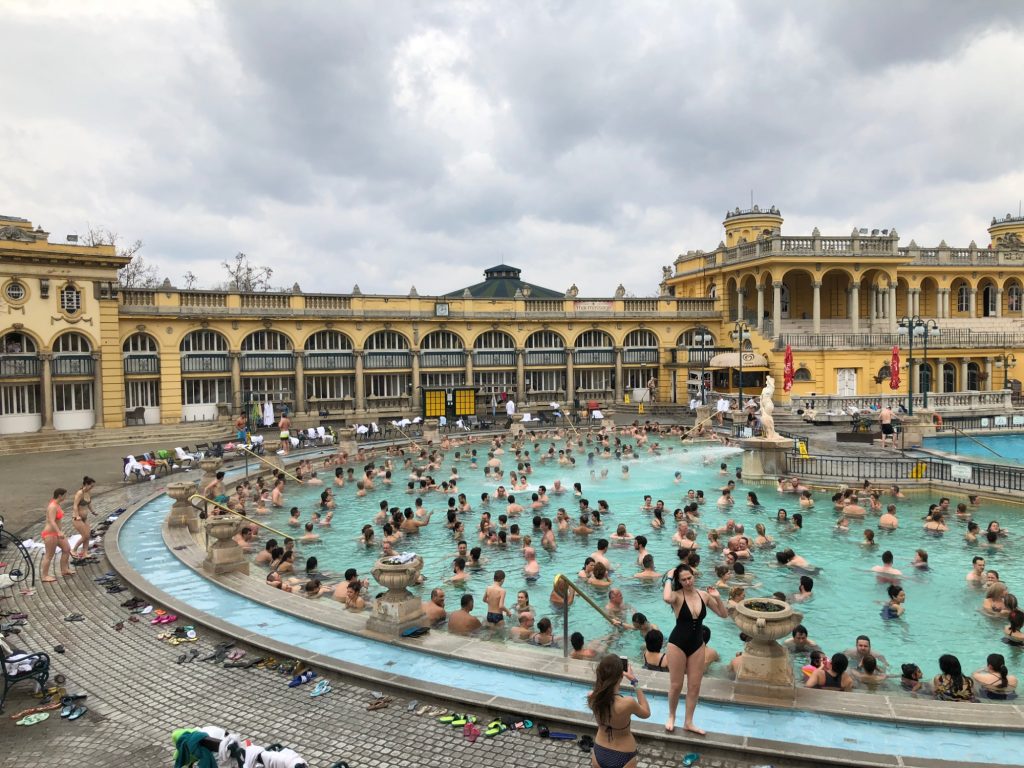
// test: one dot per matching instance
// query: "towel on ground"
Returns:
(286, 758)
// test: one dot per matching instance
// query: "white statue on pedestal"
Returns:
(767, 409)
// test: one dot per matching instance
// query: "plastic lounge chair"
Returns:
(184, 458)
(22, 666)
(325, 438)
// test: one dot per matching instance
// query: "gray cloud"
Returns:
(393, 144)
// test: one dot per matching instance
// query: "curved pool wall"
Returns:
(139, 546)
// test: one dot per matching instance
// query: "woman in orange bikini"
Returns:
(54, 537)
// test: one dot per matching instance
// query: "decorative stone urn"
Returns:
(182, 513)
(764, 620)
(223, 554)
(210, 466)
(398, 609)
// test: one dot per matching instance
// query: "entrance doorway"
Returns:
(846, 382)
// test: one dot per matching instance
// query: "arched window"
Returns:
(1013, 298)
(973, 376)
(641, 338)
(802, 374)
(594, 340)
(924, 377)
(885, 372)
(384, 340)
(712, 291)
(544, 340)
(140, 343)
(266, 341)
(328, 341)
(71, 344)
(441, 340)
(204, 341)
(17, 343)
(494, 340)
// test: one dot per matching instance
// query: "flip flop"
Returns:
(321, 688)
(461, 722)
(35, 717)
(691, 758)
(302, 679)
(181, 659)
(192, 655)
(495, 728)
(470, 732)
(412, 705)
(448, 719)
(75, 617)
(77, 712)
(373, 706)
(521, 725)
(423, 710)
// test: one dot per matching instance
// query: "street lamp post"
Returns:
(1009, 361)
(913, 326)
(740, 334)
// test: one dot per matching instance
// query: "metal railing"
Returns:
(268, 361)
(329, 361)
(546, 357)
(142, 364)
(205, 363)
(639, 356)
(20, 365)
(377, 360)
(73, 365)
(562, 586)
(494, 359)
(951, 338)
(450, 359)
(594, 357)
(990, 423)
(855, 468)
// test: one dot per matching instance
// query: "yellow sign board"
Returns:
(465, 402)
(433, 403)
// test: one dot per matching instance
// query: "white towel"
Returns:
(286, 758)
(268, 413)
(404, 557)
(252, 756)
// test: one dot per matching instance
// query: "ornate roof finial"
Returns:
(356, 291)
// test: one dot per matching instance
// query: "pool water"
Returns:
(1010, 448)
(942, 612)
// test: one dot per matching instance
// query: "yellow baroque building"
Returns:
(78, 351)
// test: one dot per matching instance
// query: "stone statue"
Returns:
(666, 273)
(620, 292)
(767, 409)
(573, 292)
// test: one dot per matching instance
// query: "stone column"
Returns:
(915, 301)
(855, 308)
(739, 303)
(972, 306)
(236, 381)
(360, 382)
(97, 389)
(618, 375)
(416, 379)
(892, 308)
(469, 368)
(520, 375)
(999, 302)
(964, 361)
(816, 316)
(570, 374)
(939, 380)
(946, 312)
(915, 374)
(989, 371)
(760, 306)
(46, 385)
(872, 303)
(777, 307)
(300, 381)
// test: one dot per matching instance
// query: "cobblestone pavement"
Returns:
(137, 694)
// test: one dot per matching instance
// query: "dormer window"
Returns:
(70, 299)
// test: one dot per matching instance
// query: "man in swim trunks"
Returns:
(462, 621)
(885, 418)
(433, 608)
(285, 425)
(494, 596)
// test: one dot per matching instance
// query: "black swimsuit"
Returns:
(688, 634)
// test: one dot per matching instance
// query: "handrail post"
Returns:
(565, 626)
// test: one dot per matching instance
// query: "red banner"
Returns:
(787, 370)
(894, 369)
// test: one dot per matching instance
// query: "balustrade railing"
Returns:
(328, 303)
(204, 299)
(73, 365)
(378, 360)
(453, 359)
(205, 363)
(265, 301)
(954, 338)
(640, 305)
(639, 356)
(545, 305)
(944, 401)
(329, 361)
(484, 359)
(550, 357)
(594, 357)
(133, 298)
(141, 364)
(20, 366)
(268, 361)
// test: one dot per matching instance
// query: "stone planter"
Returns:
(223, 554)
(210, 466)
(182, 513)
(764, 660)
(398, 609)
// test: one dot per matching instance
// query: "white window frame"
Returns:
(205, 391)
(73, 396)
(443, 380)
(20, 400)
(70, 299)
(142, 393)
(388, 384)
(330, 386)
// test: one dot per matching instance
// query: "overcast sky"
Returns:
(393, 144)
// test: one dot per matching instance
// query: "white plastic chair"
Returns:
(325, 439)
(185, 459)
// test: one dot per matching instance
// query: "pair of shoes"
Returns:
(75, 617)
(376, 704)
(302, 679)
(321, 688)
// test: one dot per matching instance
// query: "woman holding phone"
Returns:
(686, 643)
(615, 745)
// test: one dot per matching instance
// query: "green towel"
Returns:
(191, 750)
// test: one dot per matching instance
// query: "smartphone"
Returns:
(625, 663)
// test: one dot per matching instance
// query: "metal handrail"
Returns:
(268, 463)
(562, 580)
(970, 437)
(236, 512)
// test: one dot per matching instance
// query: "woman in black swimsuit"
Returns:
(686, 643)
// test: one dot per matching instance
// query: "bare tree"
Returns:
(245, 277)
(136, 273)
(190, 280)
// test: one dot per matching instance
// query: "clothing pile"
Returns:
(195, 746)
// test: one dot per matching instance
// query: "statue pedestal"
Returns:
(431, 432)
(765, 456)
(398, 609)
(210, 466)
(224, 555)
(766, 667)
(917, 427)
(182, 513)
